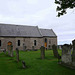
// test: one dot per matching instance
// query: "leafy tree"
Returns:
(63, 5)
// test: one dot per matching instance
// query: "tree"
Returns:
(64, 5)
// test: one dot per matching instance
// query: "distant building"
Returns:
(26, 37)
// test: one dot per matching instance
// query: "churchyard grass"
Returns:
(35, 65)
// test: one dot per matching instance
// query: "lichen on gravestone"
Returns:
(66, 53)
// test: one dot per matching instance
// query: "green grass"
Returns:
(35, 66)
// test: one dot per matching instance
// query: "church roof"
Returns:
(19, 31)
(11, 30)
(47, 33)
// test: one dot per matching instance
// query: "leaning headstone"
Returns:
(73, 53)
(42, 52)
(17, 54)
(55, 52)
(66, 53)
(23, 64)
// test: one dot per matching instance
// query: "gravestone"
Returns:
(17, 54)
(23, 64)
(42, 52)
(73, 53)
(4, 51)
(55, 52)
(10, 49)
(66, 53)
(24, 47)
(33, 48)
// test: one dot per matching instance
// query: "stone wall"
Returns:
(28, 42)
(51, 41)
(4, 42)
(39, 42)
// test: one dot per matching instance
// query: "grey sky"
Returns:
(41, 13)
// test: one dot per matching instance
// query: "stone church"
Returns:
(26, 37)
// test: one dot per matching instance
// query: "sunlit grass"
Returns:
(35, 66)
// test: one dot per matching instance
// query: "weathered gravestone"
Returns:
(4, 51)
(33, 48)
(10, 49)
(55, 52)
(23, 64)
(42, 52)
(24, 47)
(66, 53)
(73, 53)
(17, 54)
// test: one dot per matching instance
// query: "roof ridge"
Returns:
(45, 29)
(16, 25)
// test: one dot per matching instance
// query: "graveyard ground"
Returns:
(35, 66)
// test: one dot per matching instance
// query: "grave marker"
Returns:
(55, 52)
(66, 53)
(24, 65)
(42, 52)
(10, 49)
(17, 54)
(73, 53)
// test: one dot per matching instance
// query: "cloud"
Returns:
(41, 13)
(32, 1)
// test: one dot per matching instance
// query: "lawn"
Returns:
(35, 66)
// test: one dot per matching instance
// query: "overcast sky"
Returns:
(41, 13)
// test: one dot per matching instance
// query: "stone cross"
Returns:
(17, 54)
(42, 52)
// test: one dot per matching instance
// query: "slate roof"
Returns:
(19, 31)
(11, 30)
(47, 33)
